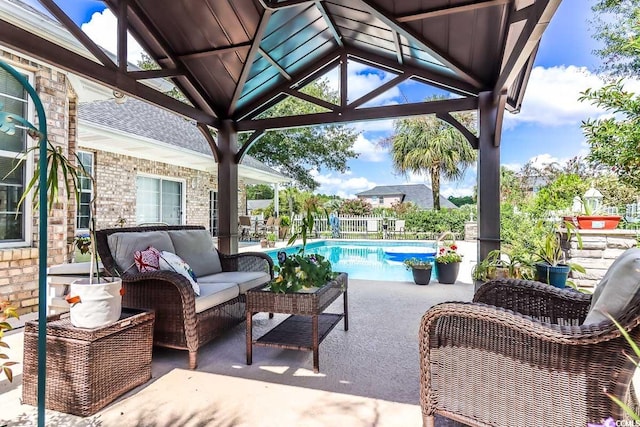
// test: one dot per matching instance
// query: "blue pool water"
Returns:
(373, 260)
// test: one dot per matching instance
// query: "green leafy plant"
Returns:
(302, 271)
(550, 252)
(448, 253)
(271, 237)
(7, 312)
(503, 264)
(285, 221)
(417, 263)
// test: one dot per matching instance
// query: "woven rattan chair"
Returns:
(177, 325)
(519, 355)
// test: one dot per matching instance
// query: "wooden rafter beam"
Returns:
(447, 83)
(362, 114)
(187, 84)
(273, 5)
(448, 10)
(379, 90)
(312, 99)
(123, 24)
(539, 14)
(447, 117)
(214, 52)
(344, 81)
(45, 50)
(396, 42)
(275, 64)
(247, 145)
(331, 23)
(77, 32)
(410, 34)
(309, 73)
(206, 132)
(154, 74)
(253, 51)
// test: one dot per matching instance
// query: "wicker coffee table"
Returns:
(307, 326)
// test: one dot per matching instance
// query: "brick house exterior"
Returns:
(119, 156)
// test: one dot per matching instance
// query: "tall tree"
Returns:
(615, 140)
(259, 192)
(429, 145)
(297, 151)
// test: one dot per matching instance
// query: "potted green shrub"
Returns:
(285, 225)
(502, 264)
(271, 240)
(551, 266)
(421, 270)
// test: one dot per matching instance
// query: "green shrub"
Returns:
(437, 221)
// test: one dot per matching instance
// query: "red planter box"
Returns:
(596, 222)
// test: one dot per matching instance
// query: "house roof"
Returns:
(148, 121)
(419, 194)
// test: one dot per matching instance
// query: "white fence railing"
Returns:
(373, 227)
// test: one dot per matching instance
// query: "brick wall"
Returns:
(19, 266)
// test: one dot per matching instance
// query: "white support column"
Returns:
(276, 198)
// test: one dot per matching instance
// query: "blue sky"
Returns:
(547, 128)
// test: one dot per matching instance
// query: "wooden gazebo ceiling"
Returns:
(235, 58)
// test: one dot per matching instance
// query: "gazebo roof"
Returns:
(235, 58)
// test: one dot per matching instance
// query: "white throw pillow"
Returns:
(172, 262)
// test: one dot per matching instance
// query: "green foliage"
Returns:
(448, 253)
(559, 193)
(297, 151)
(417, 263)
(436, 221)
(549, 251)
(431, 146)
(463, 200)
(616, 27)
(259, 192)
(401, 209)
(271, 237)
(518, 229)
(285, 221)
(356, 207)
(504, 264)
(6, 312)
(299, 271)
(614, 140)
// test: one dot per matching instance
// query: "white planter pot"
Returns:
(95, 305)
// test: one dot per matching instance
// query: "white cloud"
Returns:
(340, 185)
(552, 96)
(368, 150)
(102, 29)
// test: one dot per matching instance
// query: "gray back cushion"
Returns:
(196, 248)
(617, 289)
(123, 245)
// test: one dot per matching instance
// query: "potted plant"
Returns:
(551, 266)
(271, 240)
(95, 301)
(420, 268)
(302, 271)
(502, 264)
(448, 263)
(285, 224)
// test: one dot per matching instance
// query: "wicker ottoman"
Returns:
(88, 368)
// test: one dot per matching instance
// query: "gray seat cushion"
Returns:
(617, 289)
(212, 294)
(123, 245)
(196, 248)
(245, 279)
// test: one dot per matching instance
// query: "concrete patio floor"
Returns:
(369, 375)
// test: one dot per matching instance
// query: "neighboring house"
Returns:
(418, 194)
(149, 165)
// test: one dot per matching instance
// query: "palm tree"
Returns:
(427, 144)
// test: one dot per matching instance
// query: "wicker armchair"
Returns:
(177, 325)
(518, 355)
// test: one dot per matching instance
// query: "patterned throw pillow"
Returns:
(172, 262)
(147, 260)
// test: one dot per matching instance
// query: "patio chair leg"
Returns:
(193, 359)
(429, 421)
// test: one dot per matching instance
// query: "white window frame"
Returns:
(93, 170)
(183, 201)
(28, 173)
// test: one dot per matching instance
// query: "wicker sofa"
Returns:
(183, 319)
(524, 353)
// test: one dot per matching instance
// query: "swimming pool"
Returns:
(373, 260)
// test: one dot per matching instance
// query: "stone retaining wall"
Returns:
(599, 249)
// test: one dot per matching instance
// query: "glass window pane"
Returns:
(147, 200)
(171, 202)
(11, 227)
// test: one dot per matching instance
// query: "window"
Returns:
(14, 219)
(213, 210)
(83, 214)
(159, 200)
(381, 200)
